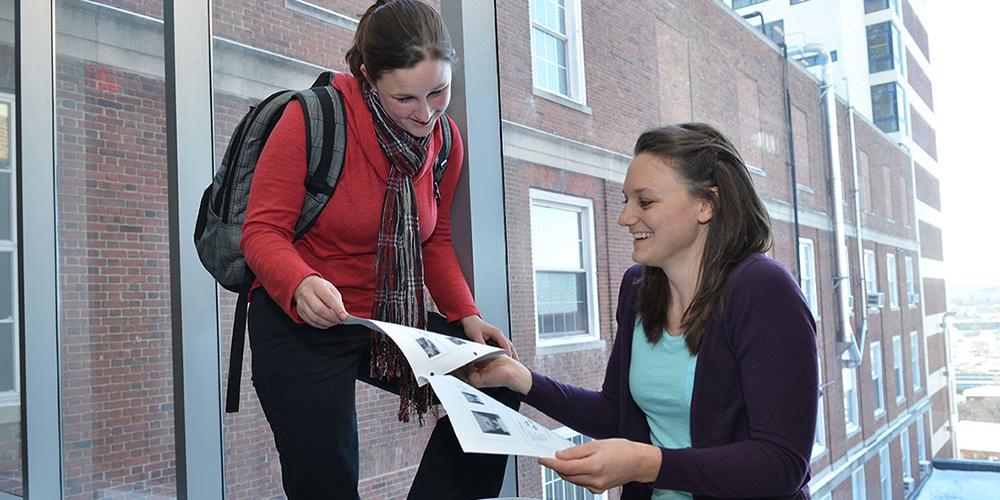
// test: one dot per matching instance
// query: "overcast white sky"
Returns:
(965, 58)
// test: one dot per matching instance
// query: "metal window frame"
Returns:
(478, 205)
(194, 304)
(42, 461)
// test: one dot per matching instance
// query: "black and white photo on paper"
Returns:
(429, 348)
(490, 423)
(473, 398)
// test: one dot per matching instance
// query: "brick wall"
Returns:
(928, 187)
(916, 29)
(117, 413)
(919, 80)
(923, 133)
(935, 300)
(931, 244)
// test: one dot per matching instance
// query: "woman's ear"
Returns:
(368, 78)
(707, 210)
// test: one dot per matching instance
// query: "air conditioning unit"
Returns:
(913, 298)
(876, 300)
(925, 467)
(908, 485)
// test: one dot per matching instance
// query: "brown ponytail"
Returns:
(395, 34)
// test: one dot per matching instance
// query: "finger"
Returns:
(567, 468)
(310, 318)
(324, 300)
(338, 306)
(577, 452)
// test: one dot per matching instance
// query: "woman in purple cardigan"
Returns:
(711, 386)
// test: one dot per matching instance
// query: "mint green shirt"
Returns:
(661, 379)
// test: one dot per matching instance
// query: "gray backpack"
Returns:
(219, 226)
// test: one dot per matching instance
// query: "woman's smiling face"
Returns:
(668, 224)
(415, 97)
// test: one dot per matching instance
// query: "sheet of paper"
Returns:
(484, 425)
(429, 353)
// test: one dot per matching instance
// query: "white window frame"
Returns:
(819, 440)
(921, 441)
(807, 274)
(871, 277)
(585, 208)
(915, 361)
(911, 286)
(904, 448)
(891, 279)
(550, 477)
(12, 397)
(859, 490)
(897, 367)
(885, 473)
(878, 379)
(575, 76)
(852, 419)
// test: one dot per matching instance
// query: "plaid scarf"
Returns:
(399, 267)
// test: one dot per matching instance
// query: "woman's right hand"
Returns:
(319, 303)
(498, 371)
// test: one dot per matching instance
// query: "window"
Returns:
(921, 443)
(878, 378)
(885, 473)
(883, 47)
(775, 30)
(897, 366)
(915, 359)
(9, 346)
(890, 269)
(904, 446)
(562, 253)
(858, 490)
(813, 60)
(807, 274)
(911, 287)
(819, 441)
(877, 5)
(850, 380)
(871, 279)
(888, 107)
(739, 4)
(556, 50)
(555, 488)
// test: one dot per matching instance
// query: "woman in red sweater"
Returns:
(382, 237)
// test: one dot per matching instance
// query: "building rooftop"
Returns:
(979, 436)
(960, 484)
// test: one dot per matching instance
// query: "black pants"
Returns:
(305, 380)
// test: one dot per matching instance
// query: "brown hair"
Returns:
(740, 225)
(395, 34)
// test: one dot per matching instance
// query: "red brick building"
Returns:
(578, 82)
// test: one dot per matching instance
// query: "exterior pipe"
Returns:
(790, 137)
(852, 355)
(846, 346)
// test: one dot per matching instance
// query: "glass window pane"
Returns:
(6, 286)
(561, 303)
(8, 374)
(6, 202)
(556, 238)
(11, 477)
(113, 251)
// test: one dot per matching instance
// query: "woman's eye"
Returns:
(403, 99)
(437, 92)
(644, 203)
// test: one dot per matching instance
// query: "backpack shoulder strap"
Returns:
(326, 143)
(442, 158)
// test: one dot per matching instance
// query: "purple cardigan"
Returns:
(753, 409)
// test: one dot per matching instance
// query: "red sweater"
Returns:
(341, 246)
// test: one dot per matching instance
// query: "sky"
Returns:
(965, 50)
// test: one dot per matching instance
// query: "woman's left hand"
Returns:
(482, 332)
(606, 463)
